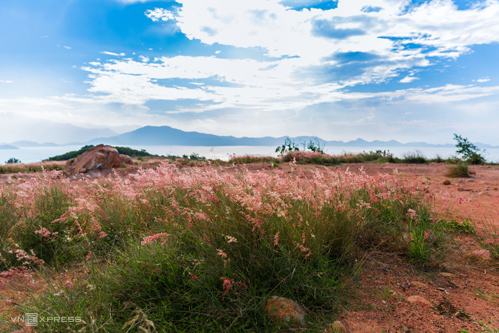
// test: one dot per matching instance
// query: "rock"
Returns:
(446, 274)
(337, 326)
(419, 284)
(418, 300)
(487, 188)
(460, 181)
(98, 158)
(446, 182)
(280, 308)
(125, 159)
(470, 180)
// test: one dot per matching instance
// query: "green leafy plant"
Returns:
(458, 170)
(465, 227)
(12, 160)
(315, 146)
(288, 146)
(470, 152)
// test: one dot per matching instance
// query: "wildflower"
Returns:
(222, 254)
(231, 239)
(460, 200)
(227, 286)
(482, 253)
(193, 277)
(276, 239)
(89, 255)
(412, 213)
(427, 234)
(163, 236)
(492, 241)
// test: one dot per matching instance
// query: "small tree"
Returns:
(288, 146)
(12, 160)
(469, 151)
(315, 146)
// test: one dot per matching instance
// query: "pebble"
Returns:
(338, 326)
(446, 182)
(460, 181)
(418, 300)
(419, 284)
(470, 180)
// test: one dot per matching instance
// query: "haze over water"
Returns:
(31, 155)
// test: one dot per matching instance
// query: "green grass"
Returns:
(223, 245)
(27, 168)
(458, 170)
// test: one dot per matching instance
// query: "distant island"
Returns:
(8, 147)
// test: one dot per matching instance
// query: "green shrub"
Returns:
(458, 170)
(13, 160)
(470, 152)
(414, 158)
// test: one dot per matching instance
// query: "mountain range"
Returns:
(168, 136)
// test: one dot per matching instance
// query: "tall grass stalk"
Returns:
(182, 250)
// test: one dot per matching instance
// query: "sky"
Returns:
(379, 69)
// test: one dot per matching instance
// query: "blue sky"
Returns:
(379, 69)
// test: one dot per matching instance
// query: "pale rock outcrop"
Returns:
(100, 157)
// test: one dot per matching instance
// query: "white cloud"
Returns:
(67, 47)
(130, 2)
(113, 54)
(313, 57)
(6, 81)
(159, 14)
(482, 80)
(409, 79)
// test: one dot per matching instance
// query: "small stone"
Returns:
(419, 284)
(418, 300)
(338, 326)
(280, 308)
(460, 181)
(446, 274)
(446, 182)
(495, 188)
(470, 180)
(487, 188)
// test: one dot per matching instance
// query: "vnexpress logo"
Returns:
(31, 319)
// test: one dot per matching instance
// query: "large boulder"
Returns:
(100, 157)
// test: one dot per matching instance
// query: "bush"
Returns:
(458, 170)
(12, 160)
(414, 158)
(470, 152)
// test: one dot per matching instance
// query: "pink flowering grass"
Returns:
(31, 167)
(202, 240)
(327, 159)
